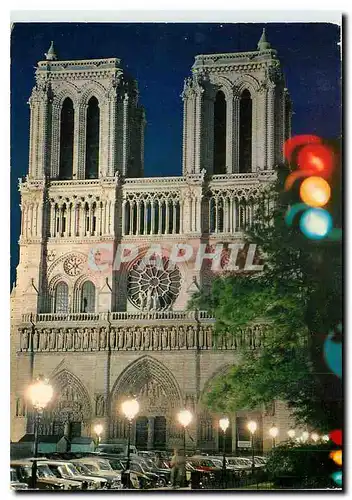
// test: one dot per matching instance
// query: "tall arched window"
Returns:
(92, 139)
(219, 134)
(245, 132)
(66, 140)
(61, 298)
(88, 297)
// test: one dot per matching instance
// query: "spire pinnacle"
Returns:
(263, 44)
(51, 55)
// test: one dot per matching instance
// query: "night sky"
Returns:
(160, 56)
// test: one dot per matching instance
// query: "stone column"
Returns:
(262, 129)
(125, 132)
(270, 127)
(55, 140)
(198, 153)
(229, 135)
(151, 422)
(235, 139)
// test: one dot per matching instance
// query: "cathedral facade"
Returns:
(109, 258)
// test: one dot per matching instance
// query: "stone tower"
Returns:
(236, 112)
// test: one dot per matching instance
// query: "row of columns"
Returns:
(151, 217)
(229, 215)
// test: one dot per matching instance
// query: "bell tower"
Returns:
(236, 112)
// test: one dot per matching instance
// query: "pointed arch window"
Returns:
(88, 297)
(66, 140)
(61, 298)
(92, 139)
(219, 166)
(245, 163)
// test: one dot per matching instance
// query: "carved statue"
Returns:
(99, 405)
(156, 301)
(129, 338)
(190, 337)
(148, 304)
(60, 339)
(137, 338)
(43, 340)
(147, 338)
(121, 340)
(164, 338)
(95, 339)
(102, 338)
(52, 342)
(141, 299)
(173, 337)
(20, 407)
(156, 334)
(181, 337)
(69, 339)
(78, 339)
(86, 339)
(112, 338)
(25, 339)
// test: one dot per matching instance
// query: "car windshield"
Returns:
(92, 467)
(72, 469)
(116, 465)
(83, 469)
(104, 465)
(136, 467)
(44, 471)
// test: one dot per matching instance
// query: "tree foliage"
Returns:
(298, 296)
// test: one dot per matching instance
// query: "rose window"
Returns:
(73, 265)
(153, 285)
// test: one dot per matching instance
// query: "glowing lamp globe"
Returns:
(291, 433)
(40, 394)
(274, 431)
(184, 417)
(325, 438)
(252, 426)
(98, 429)
(315, 191)
(305, 436)
(224, 423)
(315, 223)
(130, 408)
(314, 436)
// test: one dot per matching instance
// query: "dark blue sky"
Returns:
(160, 56)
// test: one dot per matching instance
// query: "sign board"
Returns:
(243, 444)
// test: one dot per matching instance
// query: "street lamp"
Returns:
(325, 438)
(274, 431)
(252, 427)
(98, 429)
(185, 418)
(39, 393)
(314, 436)
(130, 408)
(305, 436)
(224, 424)
(291, 433)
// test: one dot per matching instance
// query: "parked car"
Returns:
(116, 449)
(66, 470)
(46, 480)
(101, 467)
(15, 484)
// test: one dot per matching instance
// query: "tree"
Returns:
(298, 297)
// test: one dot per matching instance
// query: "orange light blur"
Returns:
(315, 191)
(316, 157)
(336, 456)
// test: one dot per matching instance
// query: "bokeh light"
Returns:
(336, 456)
(316, 157)
(336, 436)
(315, 223)
(299, 140)
(315, 191)
(337, 477)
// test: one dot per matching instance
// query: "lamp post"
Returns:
(224, 424)
(291, 434)
(185, 418)
(39, 393)
(130, 408)
(98, 429)
(252, 427)
(274, 431)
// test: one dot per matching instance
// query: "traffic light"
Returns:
(316, 162)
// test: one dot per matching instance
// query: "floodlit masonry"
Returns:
(101, 334)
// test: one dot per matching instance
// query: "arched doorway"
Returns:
(159, 398)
